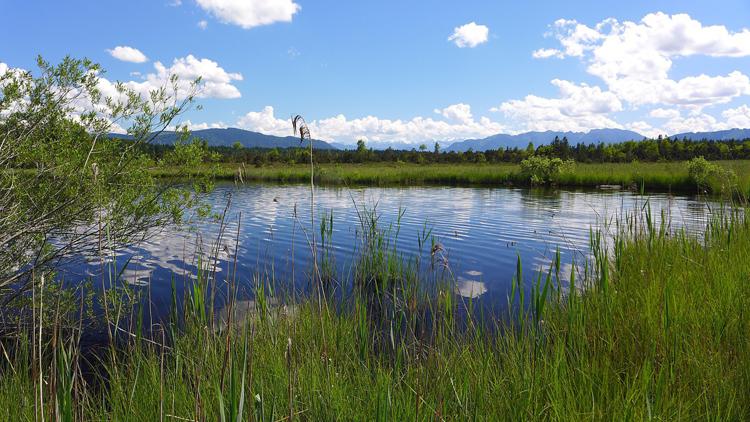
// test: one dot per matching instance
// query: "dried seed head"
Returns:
(300, 127)
(438, 247)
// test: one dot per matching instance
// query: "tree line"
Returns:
(647, 150)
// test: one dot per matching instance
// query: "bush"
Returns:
(542, 170)
(709, 176)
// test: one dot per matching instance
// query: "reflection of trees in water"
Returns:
(697, 210)
(539, 198)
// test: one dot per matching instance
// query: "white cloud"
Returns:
(693, 91)
(663, 113)
(116, 128)
(215, 81)
(202, 24)
(128, 54)
(737, 118)
(644, 128)
(579, 108)
(265, 122)
(457, 112)
(340, 128)
(416, 130)
(545, 53)
(575, 38)
(634, 59)
(469, 35)
(250, 13)
(693, 123)
(200, 126)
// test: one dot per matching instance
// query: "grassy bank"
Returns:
(660, 331)
(660, 176)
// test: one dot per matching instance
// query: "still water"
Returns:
(482, 232)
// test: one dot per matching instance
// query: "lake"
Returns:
(482, 232)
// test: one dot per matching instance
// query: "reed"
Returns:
(667, 176)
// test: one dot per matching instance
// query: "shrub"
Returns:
(542, 170)
(709, 176)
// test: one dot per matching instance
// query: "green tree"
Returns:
(274, 155)
(361, 147)
(363, 153)
(65, 184)
(541, 170)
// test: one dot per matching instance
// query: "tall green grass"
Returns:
(653, 176)
(655, 326)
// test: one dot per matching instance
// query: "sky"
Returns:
(412, 71)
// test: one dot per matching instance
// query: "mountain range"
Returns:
(721, 135)
(249, 139)
(538, 138)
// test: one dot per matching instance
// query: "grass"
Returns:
(654, 176)
(654, 327)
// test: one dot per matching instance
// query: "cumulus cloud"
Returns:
(457, 112)
(575, 38)
(202, 24)
(469, 35)
(737, 117)
(128, 54)
(644, 128)
(250, 13)
(664, 113)
(215, 81)
(634, 58)
(693, 123)
(264, 121)
(578, 108)
(416, 130)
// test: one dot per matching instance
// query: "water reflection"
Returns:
(483, 230)
(470, 289)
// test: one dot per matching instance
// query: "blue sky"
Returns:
(411, 70)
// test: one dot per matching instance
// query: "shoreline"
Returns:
(651, 177)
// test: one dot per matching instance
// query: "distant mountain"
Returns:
(248, 139)
(721, 135)
(539, 138)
